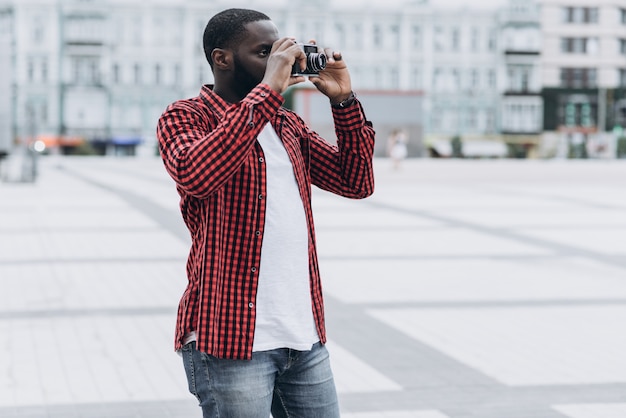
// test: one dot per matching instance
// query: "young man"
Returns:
(251, 321)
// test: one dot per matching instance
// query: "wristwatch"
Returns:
(345, 103)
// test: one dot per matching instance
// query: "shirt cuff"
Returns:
(265, 100)
(349, 118)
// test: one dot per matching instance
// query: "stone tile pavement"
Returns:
(461, 289)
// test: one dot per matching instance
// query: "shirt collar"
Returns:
(217, 105)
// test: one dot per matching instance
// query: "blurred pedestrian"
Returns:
(397, 147)
(250, 324)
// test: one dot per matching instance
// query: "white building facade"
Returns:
(521, 106)
(105, 70)
(584, 76)
(6, 82)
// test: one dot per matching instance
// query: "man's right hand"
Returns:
(284, 54)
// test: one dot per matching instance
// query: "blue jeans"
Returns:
(287, 383)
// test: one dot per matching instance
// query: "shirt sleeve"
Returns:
(201, 154)
(347, 168)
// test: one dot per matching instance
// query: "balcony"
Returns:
(84, 30)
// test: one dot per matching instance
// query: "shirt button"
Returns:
(263, 94)
(258, 233)
(253, 269)
(250, 305)
(251, 124)
(261, 159)
(260, 196)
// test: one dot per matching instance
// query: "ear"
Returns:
(222, 59)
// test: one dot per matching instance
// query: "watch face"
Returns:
(346, 102)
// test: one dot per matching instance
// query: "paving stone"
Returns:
(461, 289)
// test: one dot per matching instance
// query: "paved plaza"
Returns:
(461, 289)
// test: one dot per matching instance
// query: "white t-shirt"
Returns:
(284, 313)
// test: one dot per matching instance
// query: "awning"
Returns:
(126, 140)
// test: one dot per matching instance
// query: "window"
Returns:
(437, 78)
(491, 76)
(378, 36)
(475, 39)
(5, 22)
(94, 71)
(378, 78)
(394, 32)
(137, 74)
(519, 78)
(44, 70)
(43, 112)
(86, 70)
(435, 119)
(157, 74)
(416, 34)
(415, 79)
(439, 44)
(622, 46)
(474, 78)
(456, 80)
(30, 70)
(578, 77)
(471, 118)
(38, 29)
(525, 77)
(491, 44)
(395, 78)
(578, 113)
(455, 39)
(579, 45)
(116, 73)
(490, 120)
(622, 77)
(580, 14)
(622, 13)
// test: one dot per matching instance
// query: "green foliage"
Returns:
(621, 147)
(457, 147)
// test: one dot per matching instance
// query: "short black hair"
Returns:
(226, 29)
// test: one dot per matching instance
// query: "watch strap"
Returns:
(345, 103)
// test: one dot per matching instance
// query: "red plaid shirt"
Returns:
(209, 148)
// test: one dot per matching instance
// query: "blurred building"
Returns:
(521, 104)
(6, 82)
(462, 94)
(98, 70)
(583, 76)
(104, 70)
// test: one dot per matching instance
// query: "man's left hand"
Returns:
(334, 80)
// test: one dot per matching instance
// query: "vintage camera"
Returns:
(315, 61)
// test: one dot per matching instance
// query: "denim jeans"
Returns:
(285, 382)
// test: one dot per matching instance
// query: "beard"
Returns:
(244, 80)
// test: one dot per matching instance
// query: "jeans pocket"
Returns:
(190, 361)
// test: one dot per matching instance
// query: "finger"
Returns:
(284, 43)
(332, 55)
(296, 79)
(315, 80)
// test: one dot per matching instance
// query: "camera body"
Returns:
(315, 61)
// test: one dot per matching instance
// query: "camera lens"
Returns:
(316, 62)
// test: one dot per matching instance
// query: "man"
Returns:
(251, 322)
